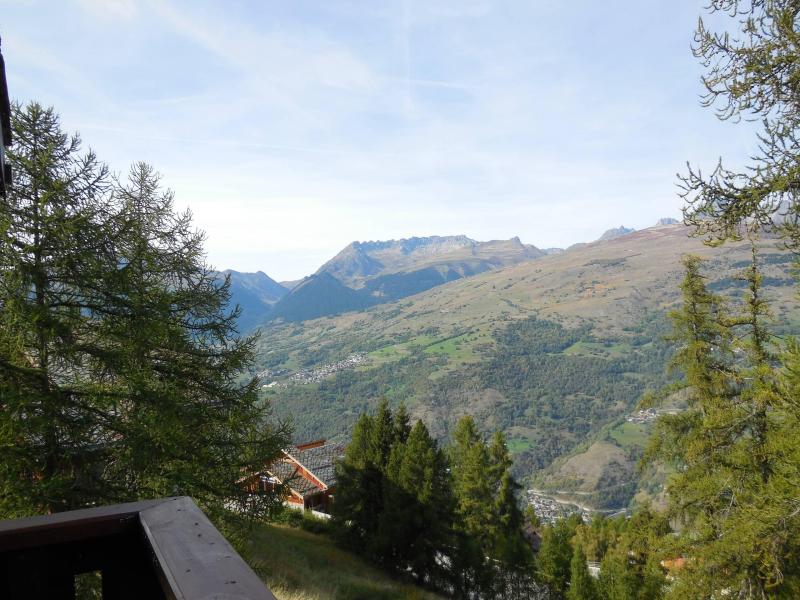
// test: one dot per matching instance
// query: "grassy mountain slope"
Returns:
(554, 351)
(300, 565)
(612, 284)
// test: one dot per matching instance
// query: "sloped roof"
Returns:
(319, 461)
(287, 472)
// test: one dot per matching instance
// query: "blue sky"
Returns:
(293, 128)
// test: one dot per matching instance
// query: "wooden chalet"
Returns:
(308, 472)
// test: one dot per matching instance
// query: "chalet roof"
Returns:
(318, 460)
(288, 472)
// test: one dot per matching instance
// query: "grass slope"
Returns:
(611, 284)
(300, 565)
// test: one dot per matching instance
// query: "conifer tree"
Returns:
(494, 551)
(700, 439)
(737, 528)
(120, 361)
(396, 510)
(418, 518)
(402, 424)
(701, 442)
(472, 487)
(617, 581)
(55, 246)
(383, 435)
(171, 352)
(581, 584)
(359, 494)
(510, 549)
(472, 481)
(510, 546)
(640, 542)
(750, 75)
(555, 555)
(760, 394)
(762, 530)
(499, 459)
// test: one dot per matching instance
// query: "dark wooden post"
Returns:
(5, 126)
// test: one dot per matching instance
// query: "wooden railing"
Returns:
(155, 549)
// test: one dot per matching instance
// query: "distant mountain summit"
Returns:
(368, 273)
(613, 234)
(352, 264)
(256, 293)
(365, 274)
(360, 261)
(666, 221)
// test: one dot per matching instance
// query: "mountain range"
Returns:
(554, 350)
(366, 274)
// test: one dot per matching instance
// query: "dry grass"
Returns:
(299, 565)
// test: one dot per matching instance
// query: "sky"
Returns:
(291, 129)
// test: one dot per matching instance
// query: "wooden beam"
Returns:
(167, 544)
(194, 559)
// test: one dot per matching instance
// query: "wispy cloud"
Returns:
(293, 128)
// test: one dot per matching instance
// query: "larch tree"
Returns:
(702, 442)
(472, 481)
(617, 580)
(751, 57)
(752, 66)
(55, 248)
(473, 487)
(189, 419)
(121, 373)
(734, 488)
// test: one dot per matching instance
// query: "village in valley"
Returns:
(315, 375)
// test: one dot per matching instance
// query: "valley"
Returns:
(555, 350)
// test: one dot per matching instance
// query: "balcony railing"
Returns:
(155, 549)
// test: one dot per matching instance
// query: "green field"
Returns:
(598, 349)
(298, 565)
(630, 434)
(518, 444)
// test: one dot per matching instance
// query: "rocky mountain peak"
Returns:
(616, 232)
(666, 221)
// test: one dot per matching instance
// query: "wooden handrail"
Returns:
(163, 548)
